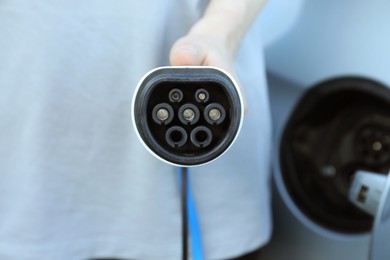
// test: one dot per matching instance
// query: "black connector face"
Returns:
(187, 116)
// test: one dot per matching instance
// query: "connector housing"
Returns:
(187, 116)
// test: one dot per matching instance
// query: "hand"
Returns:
(215, 38)
(201, 50)
(193, 50)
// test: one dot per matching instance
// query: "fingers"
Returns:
(185, 53)
(195, 51)
(200, 51)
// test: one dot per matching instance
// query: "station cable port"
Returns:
(338, 136)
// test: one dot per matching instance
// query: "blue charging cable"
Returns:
(192, 217)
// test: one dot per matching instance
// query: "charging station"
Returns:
(330, 98)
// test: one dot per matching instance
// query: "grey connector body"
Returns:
(371, 193)
(366, 191)
(187, 116)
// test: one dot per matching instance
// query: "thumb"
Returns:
(184, 53)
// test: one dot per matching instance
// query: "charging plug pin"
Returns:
(377, 146)
(189, 114)
(176, 96)
(202, 96)
(162, 114)
(215, 114)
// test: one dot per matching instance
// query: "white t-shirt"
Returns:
(76, 183)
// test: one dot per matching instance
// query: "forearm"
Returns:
(227, 20)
